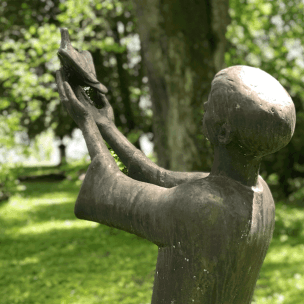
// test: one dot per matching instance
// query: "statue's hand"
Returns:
(103, 116)
(77, 110)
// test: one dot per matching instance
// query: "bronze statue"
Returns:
(213, 230)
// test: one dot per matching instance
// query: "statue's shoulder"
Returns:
(266, 196)
(218, 195)
(208, 193)
(213, 205)
(220, 206)
(213, 189)
(265, 188)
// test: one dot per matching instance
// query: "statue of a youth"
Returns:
(213, 230)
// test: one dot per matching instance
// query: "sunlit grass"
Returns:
(282, 275)
(49, 256)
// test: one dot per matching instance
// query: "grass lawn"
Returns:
(48, 256)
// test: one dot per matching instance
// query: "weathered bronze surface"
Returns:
(213, 230)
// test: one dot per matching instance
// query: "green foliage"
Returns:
(9, 183)
(297, 191)
(28, 60)
(289, 222)
(119, 163)
(9, 125)
(281, 278)
(29, 31)
(268, 35)
(74, 170)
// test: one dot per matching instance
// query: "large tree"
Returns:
(183, 44)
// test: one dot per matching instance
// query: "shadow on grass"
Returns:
(36, 170)
(43, 189)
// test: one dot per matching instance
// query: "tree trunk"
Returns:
(62, 155)
(183, 44)
(123, 81)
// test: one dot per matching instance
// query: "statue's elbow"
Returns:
(79, 211)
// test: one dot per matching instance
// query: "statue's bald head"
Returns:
(252, 107)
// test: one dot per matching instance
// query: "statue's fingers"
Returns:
(69, 92)
(65, 38)
(59, 81)
(72, 97)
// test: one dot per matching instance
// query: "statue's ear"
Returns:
(225, 134)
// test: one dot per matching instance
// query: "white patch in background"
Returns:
(48, 151)
(76, 147)
(146, 144)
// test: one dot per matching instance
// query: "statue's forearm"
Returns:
(95, 143)
(141, 167)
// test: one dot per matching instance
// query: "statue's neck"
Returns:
(231, 162)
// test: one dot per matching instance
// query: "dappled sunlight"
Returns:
(282, 276)
(53, 201)
(56, 225)
(287, 254)
(26, 261)
(49, 256)
(21, 203)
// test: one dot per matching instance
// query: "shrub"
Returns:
(8, 181)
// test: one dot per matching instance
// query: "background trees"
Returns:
(183, 44)
(176, 47)
(40, 235)
(30, 35)
(269, 35)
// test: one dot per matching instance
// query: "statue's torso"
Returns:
(220, 241)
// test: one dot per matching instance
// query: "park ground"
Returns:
(48, 256)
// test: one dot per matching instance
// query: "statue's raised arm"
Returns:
(213, 233)
(79, 68)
